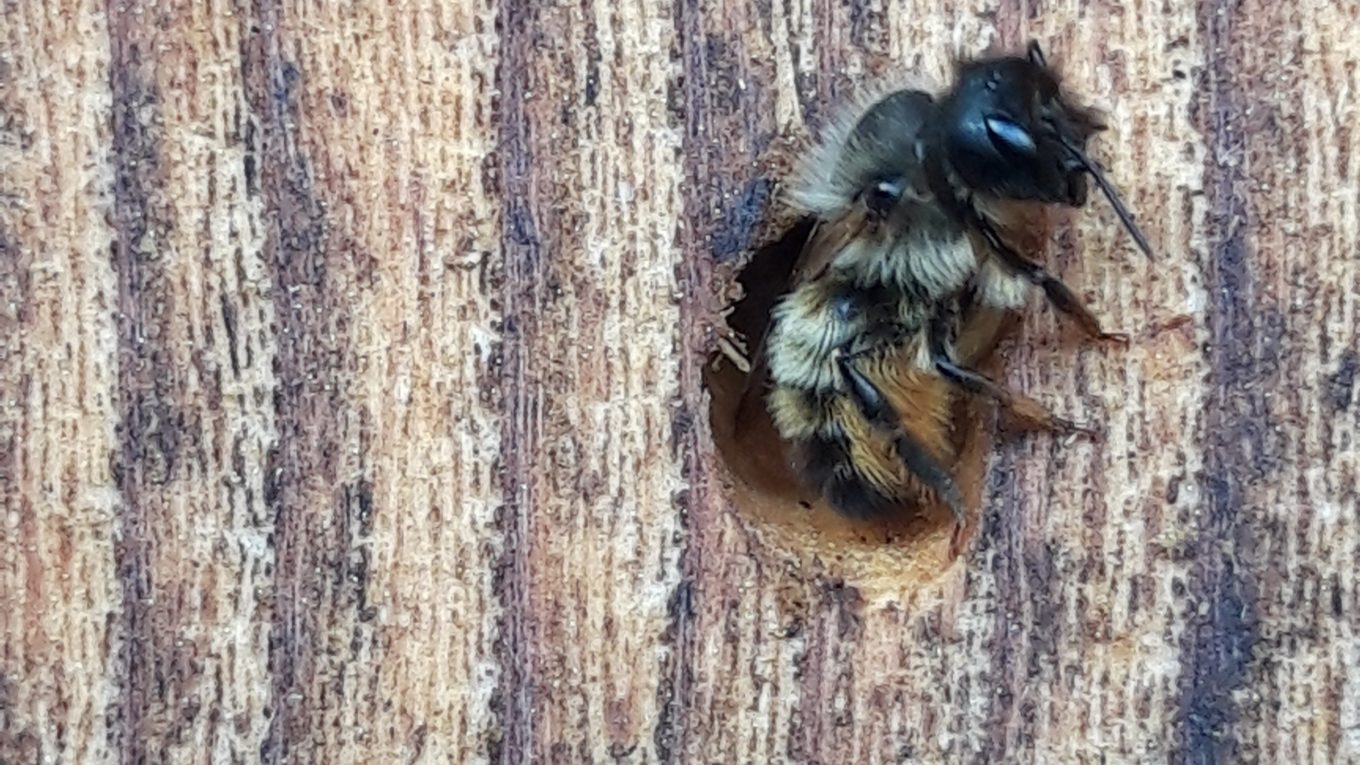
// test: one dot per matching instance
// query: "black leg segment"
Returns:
(916, 457)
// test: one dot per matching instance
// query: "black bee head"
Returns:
(1007, 130)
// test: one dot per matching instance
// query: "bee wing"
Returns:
(828, 239)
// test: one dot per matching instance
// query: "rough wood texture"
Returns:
(351, 405)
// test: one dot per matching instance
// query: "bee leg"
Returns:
(1023, 408)
(1059, 294)
(1066, 301)
(916, 457)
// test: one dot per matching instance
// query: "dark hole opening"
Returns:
(765, 484)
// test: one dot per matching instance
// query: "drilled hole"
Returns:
(908, 548)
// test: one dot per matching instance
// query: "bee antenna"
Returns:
(1125, 216)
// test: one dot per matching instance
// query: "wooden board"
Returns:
(352, 406)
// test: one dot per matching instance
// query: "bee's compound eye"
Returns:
(1010, 137)
(884, 195)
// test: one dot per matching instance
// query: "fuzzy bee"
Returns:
(923, 208)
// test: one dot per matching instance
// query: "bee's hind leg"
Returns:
(876, 409)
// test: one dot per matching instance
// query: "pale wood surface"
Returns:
(351, 406)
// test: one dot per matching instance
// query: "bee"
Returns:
(923, 207)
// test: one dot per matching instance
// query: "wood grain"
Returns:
(352, 404)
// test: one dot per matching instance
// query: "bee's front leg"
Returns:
(1060, 295)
